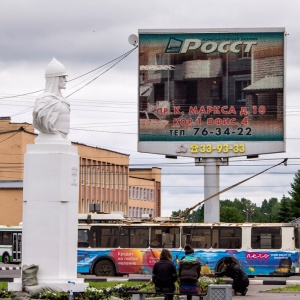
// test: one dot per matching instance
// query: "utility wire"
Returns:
(119, 58)
(122, 57)
(228, 188)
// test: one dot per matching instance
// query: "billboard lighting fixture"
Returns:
(171, 156)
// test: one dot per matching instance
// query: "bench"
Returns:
(141, 295)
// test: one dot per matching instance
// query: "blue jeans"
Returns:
(170, 289)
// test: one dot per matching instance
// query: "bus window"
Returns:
(227, 237)
(134, 237)
(83, 238)
(197, 237)
(266, 238)
(165, 237)
(104, 237)
(297, 237)
(6, 238)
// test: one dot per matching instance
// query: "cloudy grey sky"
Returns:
(85, 35)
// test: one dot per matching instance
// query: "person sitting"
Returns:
(189, 273)
(164, 274)
(240, 278)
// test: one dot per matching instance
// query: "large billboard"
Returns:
(211, 93)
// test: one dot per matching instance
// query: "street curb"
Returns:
(252, 282)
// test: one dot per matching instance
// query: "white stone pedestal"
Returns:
(50, 212)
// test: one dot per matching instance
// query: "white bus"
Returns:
(112, 247)
(10, 244)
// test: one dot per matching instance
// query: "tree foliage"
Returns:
(243, 210)
(295, 196)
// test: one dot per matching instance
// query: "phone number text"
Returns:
(220, 148)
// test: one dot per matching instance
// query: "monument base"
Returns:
(50, 213)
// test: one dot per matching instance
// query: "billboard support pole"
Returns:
(211, 187)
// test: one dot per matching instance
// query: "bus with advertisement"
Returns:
(115, 247)
(10, 244)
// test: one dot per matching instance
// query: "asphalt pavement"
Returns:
(259, 287)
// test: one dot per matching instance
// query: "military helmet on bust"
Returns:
(55, 69)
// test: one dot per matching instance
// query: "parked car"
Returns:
(149, 120)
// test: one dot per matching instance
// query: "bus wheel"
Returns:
(5, 258)
(220, 265)
(104, 268)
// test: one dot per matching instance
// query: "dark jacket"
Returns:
(164, 273)
(189, 270)
(238, 276)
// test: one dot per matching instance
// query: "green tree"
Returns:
(284, 213)
(295, 195)
(230, 215)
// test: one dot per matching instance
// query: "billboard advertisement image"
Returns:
(211, 93)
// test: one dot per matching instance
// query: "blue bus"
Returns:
(116, 246)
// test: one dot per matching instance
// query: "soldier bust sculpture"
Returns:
(51, 112)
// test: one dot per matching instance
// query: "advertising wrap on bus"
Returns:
(211, 93)
(132, 261)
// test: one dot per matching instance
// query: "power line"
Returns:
(119, 58)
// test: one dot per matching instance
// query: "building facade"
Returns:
(144, 192)
(104, 180)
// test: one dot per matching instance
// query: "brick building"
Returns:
(105, 178)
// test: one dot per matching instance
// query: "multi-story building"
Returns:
(105, 178)
(144, 185)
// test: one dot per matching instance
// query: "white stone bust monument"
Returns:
(51, 112)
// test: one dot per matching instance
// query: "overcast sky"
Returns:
(85, 35)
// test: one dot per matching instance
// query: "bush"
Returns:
(205, 281)
(4, 293)
(92, 293)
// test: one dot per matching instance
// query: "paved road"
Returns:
(258, 289)
(261, 292)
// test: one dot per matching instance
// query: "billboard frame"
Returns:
(213, 140)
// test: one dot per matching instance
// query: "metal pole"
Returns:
(211, 187)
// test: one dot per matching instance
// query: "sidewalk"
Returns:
(260, 292)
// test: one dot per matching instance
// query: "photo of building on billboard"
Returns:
(212, 94)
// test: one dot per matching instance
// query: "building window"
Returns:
(102, 178)
(93, 176)
(121, 187)
(98, 177)
(242, 53)
(107, 178)
(117, 180)
(88, 176)
(88, 206)
(239, 94)
(142, 77)
(82, 174)
(125, 182)
(111, 179)
(161, 59)
(82, 206)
